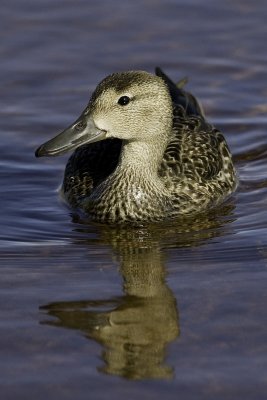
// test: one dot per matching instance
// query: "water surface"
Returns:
(173, 310)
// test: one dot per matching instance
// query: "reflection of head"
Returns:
(134, 331)
(137, 335)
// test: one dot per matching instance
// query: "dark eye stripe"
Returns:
(124, 100)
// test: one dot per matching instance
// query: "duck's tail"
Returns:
(180, 96)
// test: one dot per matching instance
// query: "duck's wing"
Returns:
(197, 158)
(196, 149)
(87, 167)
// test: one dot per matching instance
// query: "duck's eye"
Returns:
(124, 100)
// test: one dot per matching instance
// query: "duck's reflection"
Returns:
(136, 328)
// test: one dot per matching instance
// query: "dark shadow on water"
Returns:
(136, 328)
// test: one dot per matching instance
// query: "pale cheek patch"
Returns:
(101, 124)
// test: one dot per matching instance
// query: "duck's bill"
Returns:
(83, 131)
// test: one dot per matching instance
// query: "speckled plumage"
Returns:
(173, 167)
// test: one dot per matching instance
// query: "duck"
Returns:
(143, 152)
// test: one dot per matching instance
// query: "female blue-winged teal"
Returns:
(158, 157)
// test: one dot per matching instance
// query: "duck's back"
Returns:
(197, 166)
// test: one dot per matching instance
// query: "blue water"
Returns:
(165, 311)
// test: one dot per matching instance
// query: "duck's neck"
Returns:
(141, 158)
(134, 191)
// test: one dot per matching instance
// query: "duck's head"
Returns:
(132, 106)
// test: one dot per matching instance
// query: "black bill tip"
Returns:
(39, 152)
